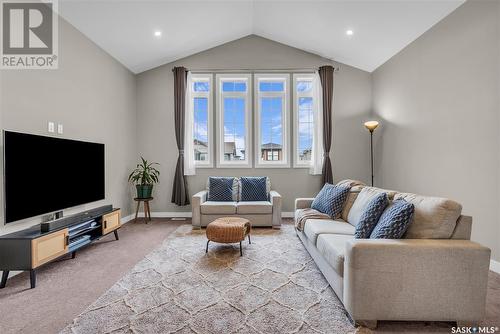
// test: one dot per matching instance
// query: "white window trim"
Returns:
(209, 163)
(220, 78)
(285, 162)
(296, 96)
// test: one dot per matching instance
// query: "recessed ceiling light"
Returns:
(349, 32)
(158, 33)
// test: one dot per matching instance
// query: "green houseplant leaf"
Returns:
(145, 173)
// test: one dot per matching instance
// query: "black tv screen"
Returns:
(46, 174)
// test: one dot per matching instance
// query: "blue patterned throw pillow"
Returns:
(253, 189)
(220, 189)
(331, 199)
(370, 216)
(394, 221)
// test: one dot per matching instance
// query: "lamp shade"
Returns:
(371, 125)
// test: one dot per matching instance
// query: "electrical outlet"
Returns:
(51, 127)
(60, 129)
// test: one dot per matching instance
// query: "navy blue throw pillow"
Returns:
(394, 221)
(220, 189)
(253, 189)
(331, 199)
(370, 216)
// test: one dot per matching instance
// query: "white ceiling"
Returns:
(125, 28)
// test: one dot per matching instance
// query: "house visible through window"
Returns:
(233, 111)
(271, 101)
(304, 119)
(202, 120)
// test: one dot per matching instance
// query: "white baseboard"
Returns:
(166, 215)
(495, 266)
(131, 217)
(187, 215)
(171, 214)
(126, 219)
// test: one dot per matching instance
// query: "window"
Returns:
(304, 119)
(233, 114)
(271, 120)
(201, 91)
(272, 155)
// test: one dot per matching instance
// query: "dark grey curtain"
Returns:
(180, 194)
(326, 76)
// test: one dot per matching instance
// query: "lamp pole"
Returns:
(371, 126)
(371, 152)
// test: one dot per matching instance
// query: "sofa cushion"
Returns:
(330, 200)
(364, 197)
(394, 221)
(370, 216)
(234, 193)
(268, 187)
(259, 207)
(350, 183)
(351, 198)
(253, 189)
(218, 208)
(220, 189)
(332, 248)
(314, 227)
(435, 217)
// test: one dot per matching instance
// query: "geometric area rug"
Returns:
(275, 287)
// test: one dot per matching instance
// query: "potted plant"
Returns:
(144, 176)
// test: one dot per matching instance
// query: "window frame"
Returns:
(296, 96)
(285, 121)
(220, 78)
(209, 163)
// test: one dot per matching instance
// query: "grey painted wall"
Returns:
(92, 95)
(438, 101)
(352, 103)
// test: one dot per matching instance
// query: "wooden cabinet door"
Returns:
(110, 222)
(49, 247)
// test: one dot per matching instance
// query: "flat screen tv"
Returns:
(45, 174)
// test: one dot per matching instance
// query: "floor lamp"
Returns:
(371, 126)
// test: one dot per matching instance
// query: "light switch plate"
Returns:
(51, 127)
(60, 129)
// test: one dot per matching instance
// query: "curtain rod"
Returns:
(253, 70)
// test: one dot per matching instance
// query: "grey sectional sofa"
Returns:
(261, 213)
(435, 274)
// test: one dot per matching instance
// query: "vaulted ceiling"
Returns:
(380, 29)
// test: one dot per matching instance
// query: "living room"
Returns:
(250, 167)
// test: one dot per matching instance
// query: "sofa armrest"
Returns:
(276, 201)
(463, 228)
(415, 279)
(196, 202)
(303, 203)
